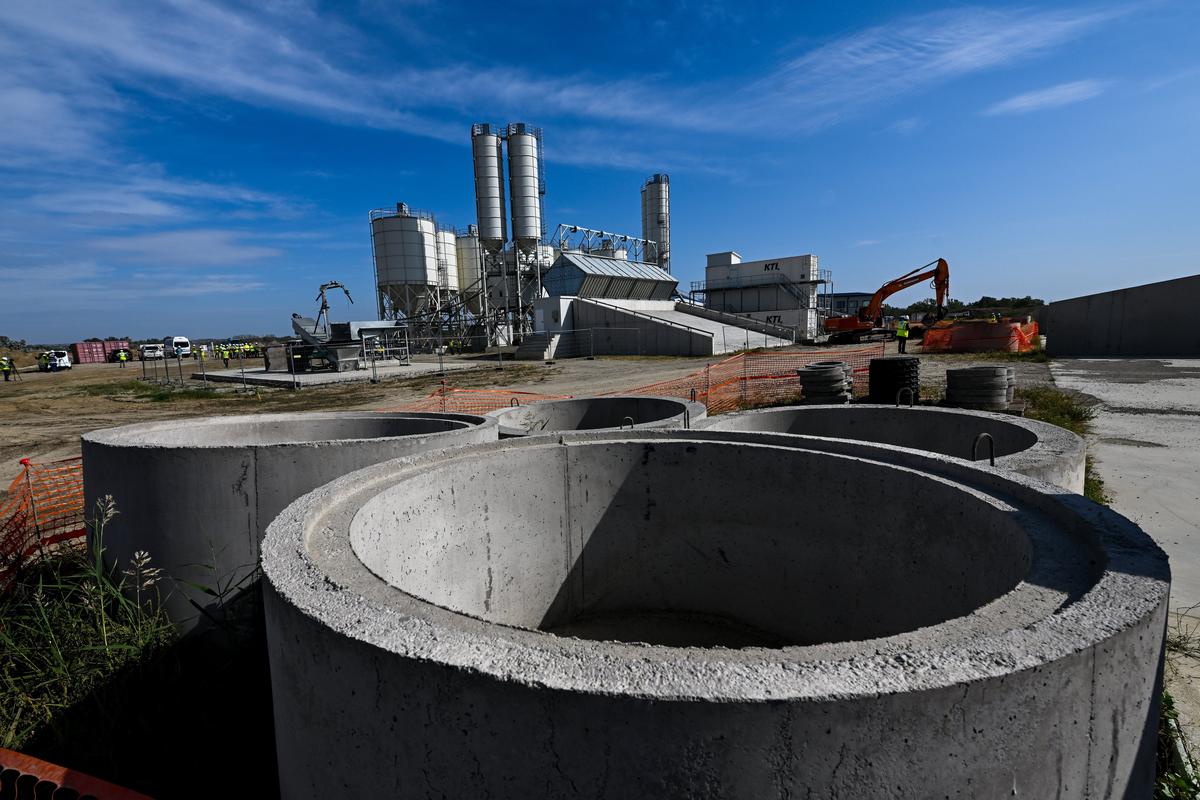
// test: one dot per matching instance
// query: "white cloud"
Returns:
(202, 247)
(908, 125)
(1052, 97)
(297, 60)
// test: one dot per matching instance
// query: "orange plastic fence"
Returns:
(975, 337)
(747, 380)
(741, 381)
(44, 506)
(32, 777)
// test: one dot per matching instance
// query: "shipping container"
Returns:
(88, 353)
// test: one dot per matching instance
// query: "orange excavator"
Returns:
(869, 320)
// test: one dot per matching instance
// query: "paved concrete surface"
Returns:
(260, 377)
(1146, 445)
(411, 610)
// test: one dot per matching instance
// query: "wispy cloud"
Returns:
(908, 125)
(265, 60)
(866, 242)
(209, 248)
(1064, 94)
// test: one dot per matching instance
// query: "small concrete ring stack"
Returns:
(826, 383)
(988, 388)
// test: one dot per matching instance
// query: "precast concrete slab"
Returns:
(1037, 449)
(598, 413)
(677, 613)
(198, 494)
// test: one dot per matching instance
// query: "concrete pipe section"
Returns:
(673, 614)
(198, 494)
(597, 413)
(1037, 449)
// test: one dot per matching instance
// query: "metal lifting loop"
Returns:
(991, 448)
(630, 421)
(911, 396)
(687, 419)
(693, 395)
(513, 402)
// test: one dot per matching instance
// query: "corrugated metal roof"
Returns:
(587, 275)
(616, 267)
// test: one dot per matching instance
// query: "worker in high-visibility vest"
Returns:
(6, 366)
(901, 334)
(122, 357)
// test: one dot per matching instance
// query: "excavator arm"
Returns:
(869, 316)
(940, 283)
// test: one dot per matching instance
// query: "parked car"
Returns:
(150, 352)
(54, 359)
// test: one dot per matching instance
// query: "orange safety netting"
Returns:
(975, 337)
(745, 380)
(44, 506)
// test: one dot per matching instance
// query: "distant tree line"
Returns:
(987, 302)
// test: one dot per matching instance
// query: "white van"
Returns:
(171, 342)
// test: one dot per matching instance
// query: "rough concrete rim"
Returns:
(337, 591)
(690, 412)
(142, 434)
(1053, 443)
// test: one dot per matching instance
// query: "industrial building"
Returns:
(502, 280)
(778, 291)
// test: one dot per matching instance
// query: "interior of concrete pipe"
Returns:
(684, 543)
(934, 430)
(589, 413)
(279, 429)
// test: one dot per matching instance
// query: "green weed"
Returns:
(68, 624)
(1052, 405)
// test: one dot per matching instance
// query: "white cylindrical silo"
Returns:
(524, 175)
(447, 259)
(406, 259)
(487, 151)
(656, 218)
(470, 269)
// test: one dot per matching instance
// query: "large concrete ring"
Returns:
(829, 618)
(198, 494)
(598, 413)
(1037, 449)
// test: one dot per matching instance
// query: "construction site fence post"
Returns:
(242, 365)
(32, 501)
(203, 372)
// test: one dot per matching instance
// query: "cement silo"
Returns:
(525, 185)
(470, 269)
(447, 255)
(487, 151)
(656, 218)
(404, 243)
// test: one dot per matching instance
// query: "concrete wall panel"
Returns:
(1155, 319)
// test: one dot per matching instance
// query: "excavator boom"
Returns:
(869, 317)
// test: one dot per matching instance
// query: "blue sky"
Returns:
(200, 168)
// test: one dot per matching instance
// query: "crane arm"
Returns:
(941, 285)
